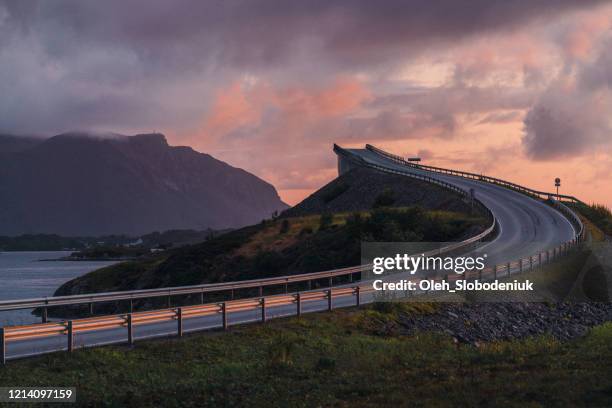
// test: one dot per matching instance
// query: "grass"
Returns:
(598, 214)
(331, 359)
(555, 281)
(279, 247)
(274, 236)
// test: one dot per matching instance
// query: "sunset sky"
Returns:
(515, 89)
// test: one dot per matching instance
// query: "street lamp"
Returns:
(557, 184)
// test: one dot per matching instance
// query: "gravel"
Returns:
(485, 322)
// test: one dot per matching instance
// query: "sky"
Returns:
(520, 90)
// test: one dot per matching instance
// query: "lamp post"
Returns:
(557, 184)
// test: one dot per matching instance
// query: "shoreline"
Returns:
(68, 259)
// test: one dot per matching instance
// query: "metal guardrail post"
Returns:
(298, 301)
(202, 298)
(224, 315)
(130, 327)
(131, 306)
(44, 315)
(262, 302)
(91, 308)
(169, 302)
(329, 299)
(331, 282)
(179, 321)
(260, 291)
(358, 296)
(2, 346)
(70, 336)
(540, 260)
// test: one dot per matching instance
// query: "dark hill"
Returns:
(363, 189)
(291, 245)
(11, 144)
(76, 184)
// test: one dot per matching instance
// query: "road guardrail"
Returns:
(474, 176)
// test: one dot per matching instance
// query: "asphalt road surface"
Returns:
(526, 226)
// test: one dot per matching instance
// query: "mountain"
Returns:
(80, 184)
(11, 143)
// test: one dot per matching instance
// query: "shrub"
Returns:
(305, 231)
(385, 199)
(598, 214)
(284, 226)
(326, 363)
(326, 221)
(269, 262)
(282, 349)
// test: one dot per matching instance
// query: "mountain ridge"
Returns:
(96, 184)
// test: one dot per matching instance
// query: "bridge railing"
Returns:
(130, 321)
(72, 300)
(523, 264)
(567, 212)
(474, 176)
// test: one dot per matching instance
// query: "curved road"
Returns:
(526, 226)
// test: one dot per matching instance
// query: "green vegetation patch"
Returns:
(283, 247)
(598, 214)
(333, 359)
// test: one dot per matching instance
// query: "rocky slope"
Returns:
(363, 189)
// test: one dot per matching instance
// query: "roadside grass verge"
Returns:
(331, 359)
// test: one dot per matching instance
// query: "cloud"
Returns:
(143, 65)
(269, 85)
(572, 117)
(501, 117)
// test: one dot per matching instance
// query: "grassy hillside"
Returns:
(280, 247)
(344, 358)
(598, 214)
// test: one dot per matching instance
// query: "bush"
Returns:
(326, 221)
(326, 363)
(305, 231)
(269, 262)
(384, 199)
(598, 214)
(284, 226)
(282, 350)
